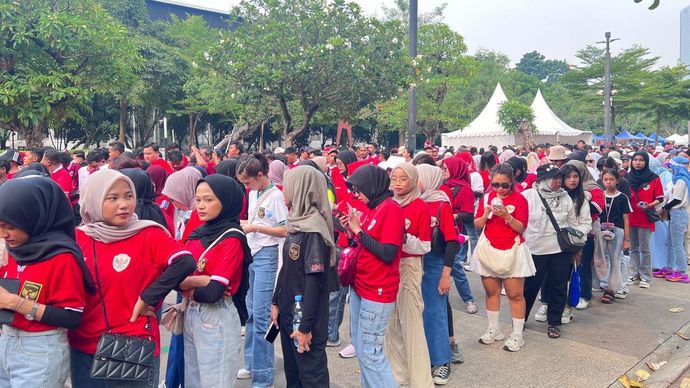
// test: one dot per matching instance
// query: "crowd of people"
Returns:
(280, 241)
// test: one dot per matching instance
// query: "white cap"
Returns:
(279, 150)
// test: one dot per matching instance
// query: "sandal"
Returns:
(608, 297)
(554, 332)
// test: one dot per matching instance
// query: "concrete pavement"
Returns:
(602, 343)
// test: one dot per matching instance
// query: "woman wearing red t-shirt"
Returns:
(405, 342)
(646, 192)
(438, 264)
(377, 276)
(36, 223)
(122, 250)
(503, 214)
(486, 163)
(220, 248)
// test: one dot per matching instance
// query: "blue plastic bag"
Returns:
(574, 291)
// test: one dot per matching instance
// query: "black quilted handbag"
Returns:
(121, 357)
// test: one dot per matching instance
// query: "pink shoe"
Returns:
(678, 277)
(662, 273)
(348, 352)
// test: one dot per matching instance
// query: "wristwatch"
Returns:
(32, 314)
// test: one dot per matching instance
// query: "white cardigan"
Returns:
(540, 236)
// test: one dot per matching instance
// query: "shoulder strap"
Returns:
(549, 213)
(260, 202)
(455, 192)
(214, 243)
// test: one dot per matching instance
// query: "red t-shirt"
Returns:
(598, 201)
(210, 168)
(63, 179)
(342, 206)
(417, 222)
(648, 194)
(223, 263)
(463, 201)
(446, 221)
(164, 164)
(55, 282)
(376, 280)
(125, 269)
(485, 178)
(500, 234)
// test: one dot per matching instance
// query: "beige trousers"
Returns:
(405, 343)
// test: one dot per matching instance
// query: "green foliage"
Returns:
(535, 64)
(516, 117)
(56, 56)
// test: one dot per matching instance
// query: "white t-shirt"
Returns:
(271, 213)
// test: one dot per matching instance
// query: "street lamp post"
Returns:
(412, 102)
(608, 131)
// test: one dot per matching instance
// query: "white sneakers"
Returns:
(243, 374)
(472, 307)
(567, 315)
(514, 343)
(540, 316)
(582, 304)
(348, 352)
(492, 334)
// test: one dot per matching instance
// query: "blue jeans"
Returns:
(336, 308)
(35, 360)
(81, 374)
(435, 312)
(368, 322)
(212, 344)
(174, 373)
(468, 229)
(460, 278)
(676, 257)
(259, 353)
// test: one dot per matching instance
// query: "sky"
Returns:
(555, 28)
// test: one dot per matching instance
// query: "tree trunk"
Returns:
(34, 135)
(192, 131)
(123, 120)
(658, 126)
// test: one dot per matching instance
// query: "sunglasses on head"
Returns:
(496, 185)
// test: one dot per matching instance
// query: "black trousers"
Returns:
(308, 369)
(555, 268)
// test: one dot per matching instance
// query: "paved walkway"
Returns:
(602, 343)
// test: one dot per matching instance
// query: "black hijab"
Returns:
(518, 164)
(639, 178)
(231, 197)
(146, 209)
(228, 168)
(347, 157)
(40, 208)
(373, 182)
(34, 168)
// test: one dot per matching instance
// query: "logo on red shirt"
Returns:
(31, 291)
(121, 262)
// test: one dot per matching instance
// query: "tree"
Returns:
(535, 64)
(517, 118)
(305, 56)
(55, 56)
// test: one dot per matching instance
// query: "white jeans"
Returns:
(33, 359)
(211, 344)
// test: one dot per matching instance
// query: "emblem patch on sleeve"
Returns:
(31, 291)
(294, 251)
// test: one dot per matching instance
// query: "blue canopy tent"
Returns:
(625, 135)
(642, 136)
(596, 137)
(652, 138)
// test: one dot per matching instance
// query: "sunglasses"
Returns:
(496, 185)
(590, 161)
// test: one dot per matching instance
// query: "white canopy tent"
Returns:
(678, 139)
(551, 129)
(485, 129)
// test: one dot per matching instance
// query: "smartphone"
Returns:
(272, 333)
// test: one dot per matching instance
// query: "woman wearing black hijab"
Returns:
(146, 209)
(377, 277)
(228, 168)
(646, 193)
(221, 251)
(36, 224)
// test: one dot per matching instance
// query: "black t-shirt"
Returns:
(616, 207)
(305, 263)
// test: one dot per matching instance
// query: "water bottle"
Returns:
(297, 315)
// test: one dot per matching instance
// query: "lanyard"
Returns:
(608, 208)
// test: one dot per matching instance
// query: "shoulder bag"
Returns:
(438, 240)
(570, 240)
(173, 317)
(121, 357)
